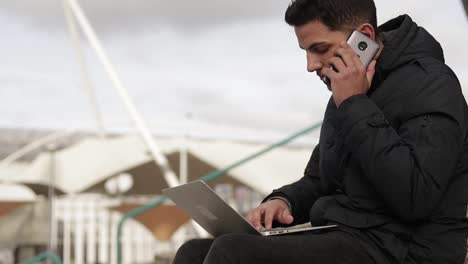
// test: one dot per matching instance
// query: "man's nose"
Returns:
(313, 63)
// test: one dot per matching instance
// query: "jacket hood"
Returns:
(404, 41)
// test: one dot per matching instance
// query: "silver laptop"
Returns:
(216, 216)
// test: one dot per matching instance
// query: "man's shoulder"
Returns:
(430, 66)
(423, 70)
(425, 85)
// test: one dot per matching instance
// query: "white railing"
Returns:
(87, 228)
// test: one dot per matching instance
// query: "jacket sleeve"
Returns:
(411, 166)
(303, 193)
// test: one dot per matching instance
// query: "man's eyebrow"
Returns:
(314, 45)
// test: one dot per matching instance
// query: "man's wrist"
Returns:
(282, 199)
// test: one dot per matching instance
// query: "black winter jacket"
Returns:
(391, 167)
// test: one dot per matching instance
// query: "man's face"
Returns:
(320, 44)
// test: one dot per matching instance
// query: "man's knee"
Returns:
(229, 248)
(193, 251)
(228, 240)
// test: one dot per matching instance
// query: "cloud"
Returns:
(114, 14)
(232, 64)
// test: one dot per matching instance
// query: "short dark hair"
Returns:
(342, 15)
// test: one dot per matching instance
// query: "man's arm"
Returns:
(302, 194)
(410, 167)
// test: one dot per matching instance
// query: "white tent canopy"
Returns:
(93, 160)
(16, 192)
(264, 173)
(79, 165)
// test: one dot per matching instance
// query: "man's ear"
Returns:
(368, 30)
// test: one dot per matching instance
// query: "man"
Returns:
(391, 167)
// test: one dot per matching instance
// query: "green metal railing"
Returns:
(206, 178)
(43, 256)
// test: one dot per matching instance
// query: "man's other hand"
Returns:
(269, 211)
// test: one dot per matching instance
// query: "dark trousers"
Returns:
(323, 248)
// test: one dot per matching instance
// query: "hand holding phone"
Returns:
(352, 76)
(363, 46)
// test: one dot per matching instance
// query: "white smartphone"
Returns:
(363, 46)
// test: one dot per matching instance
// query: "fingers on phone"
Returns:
(338, 64)
(345, 55)
(330, 73)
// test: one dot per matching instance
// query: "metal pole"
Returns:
(160, 159)
(183, 162)
(51, 149)
(56, 259)
(183, 158)
(84, 73)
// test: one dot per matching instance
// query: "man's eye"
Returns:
(321, 50)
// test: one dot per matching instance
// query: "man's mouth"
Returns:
(325, 80)
(322, 77)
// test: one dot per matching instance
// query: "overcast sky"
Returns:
(233, 65)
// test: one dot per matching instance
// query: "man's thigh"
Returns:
(324, 248)
(193, 251)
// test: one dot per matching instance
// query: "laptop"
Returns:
(212, 213)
